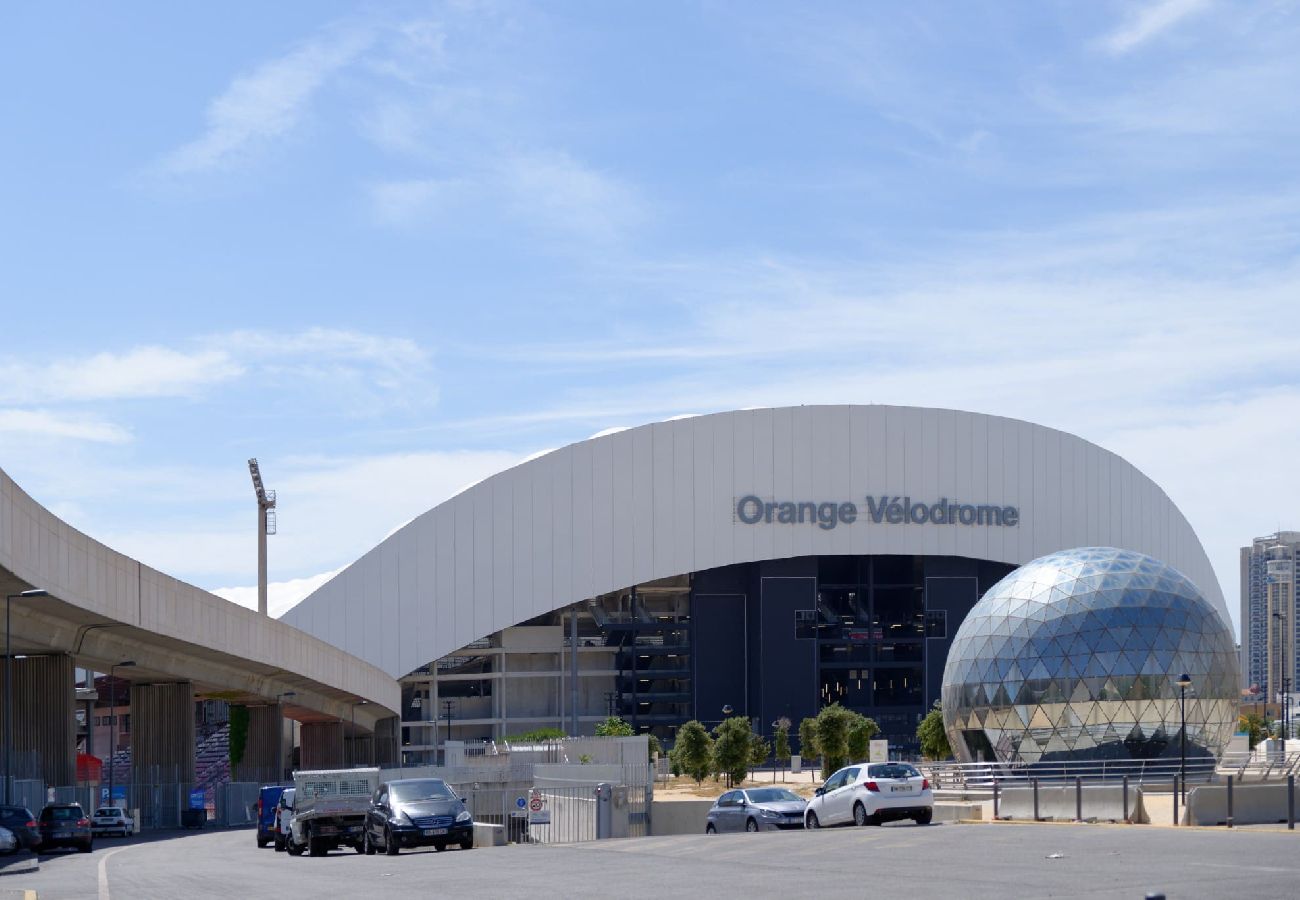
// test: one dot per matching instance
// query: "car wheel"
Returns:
(859, 814)
(390, 843)
(709, 829)
(360, 846)
(315, 846)
(811, 821)
(467, 843)
(751, 826)
(294, 849)
(367, 844)
(86, 847)
(924, 818)
(261, 841)
(279, 843)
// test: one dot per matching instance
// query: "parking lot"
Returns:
(974, 860)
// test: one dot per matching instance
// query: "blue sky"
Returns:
(392, 248)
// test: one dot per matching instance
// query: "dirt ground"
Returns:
(684, 788)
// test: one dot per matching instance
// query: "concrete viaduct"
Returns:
(102, 608)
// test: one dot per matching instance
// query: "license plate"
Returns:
(433, 832)
(902, 789)
(63, 834)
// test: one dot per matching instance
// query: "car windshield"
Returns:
(108, 811)
(423, 789)
(894, 770)
(771, 795)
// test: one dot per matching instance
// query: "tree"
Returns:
(781, 740)
(536, 736)
(732, 749)
(933, 737)
(653, 747)
(1254, 726)
(808, 739)
(759, 750)
(861, 731)
(692, 752)
(832, 729)
(614, 727)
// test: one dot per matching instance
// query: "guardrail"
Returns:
(1243, 767)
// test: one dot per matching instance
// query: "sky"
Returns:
(392, 248)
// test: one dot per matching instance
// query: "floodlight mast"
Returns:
(265, 526)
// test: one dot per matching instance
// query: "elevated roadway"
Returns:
(104, 607)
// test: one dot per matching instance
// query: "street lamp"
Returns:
(1184, 682)
(36, 592)
(279, 736)
(112, 720)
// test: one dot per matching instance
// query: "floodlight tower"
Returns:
(265, 526)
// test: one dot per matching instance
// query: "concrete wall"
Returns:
(678, 816)
(660, 500)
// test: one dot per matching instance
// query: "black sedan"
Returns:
(65, 825)
(22, 823)
(417, 812)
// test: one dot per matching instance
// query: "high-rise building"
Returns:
(1270, 626)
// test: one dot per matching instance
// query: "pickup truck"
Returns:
(329, 810)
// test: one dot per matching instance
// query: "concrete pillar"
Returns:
(265, 743)
(322, 745)
(44, 720)
(162, 733)
(388, 742)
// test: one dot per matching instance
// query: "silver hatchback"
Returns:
(756, 809)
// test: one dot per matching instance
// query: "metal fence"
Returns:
(1199, 770)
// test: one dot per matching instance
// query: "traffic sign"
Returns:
(520, 802)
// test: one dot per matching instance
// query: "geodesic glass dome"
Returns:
(1075, 656)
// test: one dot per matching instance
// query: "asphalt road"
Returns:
(961, 861)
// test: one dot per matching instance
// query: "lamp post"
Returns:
(279, 736)
(9, 598)
(112, 720)
(1184, 682)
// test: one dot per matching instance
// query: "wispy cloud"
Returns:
(265, 104)
(43, 423)
(550, 194)
(1150, 21)
(141, 372)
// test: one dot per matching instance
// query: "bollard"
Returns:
(1229, 801)
(1036, 818)
(1125, 819)
(1078, 799)
(1175, 799)
(1290, 802)
(995, 799)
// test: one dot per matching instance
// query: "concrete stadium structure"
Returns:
(104, 608)
(759, 562)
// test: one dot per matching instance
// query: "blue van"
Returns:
(267, 801)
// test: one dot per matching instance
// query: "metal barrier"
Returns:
(1244, 767)
(572, 816)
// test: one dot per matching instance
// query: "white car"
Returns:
(283, 814)
(112, 820)
(872, 793)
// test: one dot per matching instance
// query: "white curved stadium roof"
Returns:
(662, 499)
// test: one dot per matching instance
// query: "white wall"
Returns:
(659, 500)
